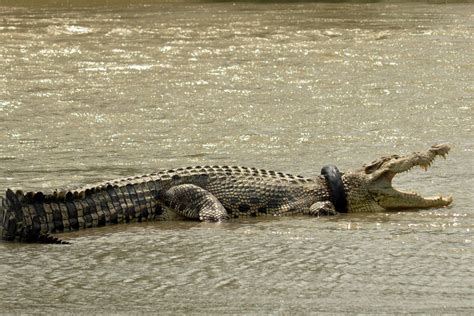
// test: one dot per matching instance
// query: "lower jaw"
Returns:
(413, 202)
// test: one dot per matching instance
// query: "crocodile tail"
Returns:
(48, 239)
(13, 220)
(10, 216)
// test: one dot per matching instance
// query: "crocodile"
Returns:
(215, 194)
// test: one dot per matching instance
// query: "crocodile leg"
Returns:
(322, 209)
(192, 201)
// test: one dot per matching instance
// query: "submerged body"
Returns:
(213, 194)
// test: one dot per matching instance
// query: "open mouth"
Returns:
(393, 198)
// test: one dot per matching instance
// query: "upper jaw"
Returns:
(386, 168)
(424, 159)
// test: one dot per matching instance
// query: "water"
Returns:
(92, 92)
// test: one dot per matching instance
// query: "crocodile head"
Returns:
(370, 188)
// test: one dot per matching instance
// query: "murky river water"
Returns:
(89, 93)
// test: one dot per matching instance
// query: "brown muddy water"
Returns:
(93, 92)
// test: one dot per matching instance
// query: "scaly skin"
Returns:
(209, 193)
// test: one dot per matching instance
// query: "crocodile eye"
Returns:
(372, 166)
(377, 164)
